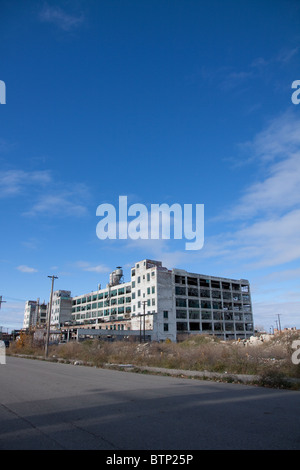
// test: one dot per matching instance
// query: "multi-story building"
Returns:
(161, 303)
(61, 307)
(168, 303)
(29, 314)
(35, 314)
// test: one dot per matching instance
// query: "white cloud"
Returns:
(86, 266)
(60, 18)
(264, 243)
(26, 269)
(63, 204)
(277, 192)
(13, 182)
(266, 220)
(50, 196)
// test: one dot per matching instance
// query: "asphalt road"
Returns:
(46, 405)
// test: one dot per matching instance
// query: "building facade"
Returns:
(61, 307)
(35, 314)
(169, 303)
(29, 314)
(159, 303)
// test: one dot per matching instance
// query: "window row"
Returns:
(203, 282)
(102, 295)
(207, 293)
(214, 326)
(102, 313)
(105, 303)
(193, 303)
(208, 315)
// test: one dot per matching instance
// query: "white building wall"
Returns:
(61, 307)
(29, 314)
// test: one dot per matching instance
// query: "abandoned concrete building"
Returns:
(35, 314)
(157, 304)
(161, 304)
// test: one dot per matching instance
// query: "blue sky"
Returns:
(176, 101)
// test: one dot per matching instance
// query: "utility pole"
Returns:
(49, 316)
(278, 315)
(2, 301)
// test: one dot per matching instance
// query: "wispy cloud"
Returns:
(86, 266)
(265, 223)
(50, 196)
(13, 182)
(63, 204)
(60, 18)
(26, 269)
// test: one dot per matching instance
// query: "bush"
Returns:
(274, 379)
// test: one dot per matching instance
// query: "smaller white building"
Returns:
(35, 314)
(61, 311)
(29, 314)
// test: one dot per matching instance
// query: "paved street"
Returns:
(47, 405)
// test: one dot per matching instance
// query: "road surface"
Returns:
(46, 405)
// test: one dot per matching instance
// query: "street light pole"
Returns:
(49, 316)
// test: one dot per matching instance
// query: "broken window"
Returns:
(180, 302)
(236, 297)
(204, 282)
(245, 288)
(227, 295)
(194, 326)
(227, 306)
(229, 326)
(206, 326)
(179, 279)
(228, 316)
(181, 326)
(192, 292)
(192, 281)
(205, 293)
(237, 307)
(226, 285)
(247, 307)
(216, 294)
(194, 314)
(181, 314)
(206, 315)
(217, 305)
(215, 284)
(217, 315)
(180, 290)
